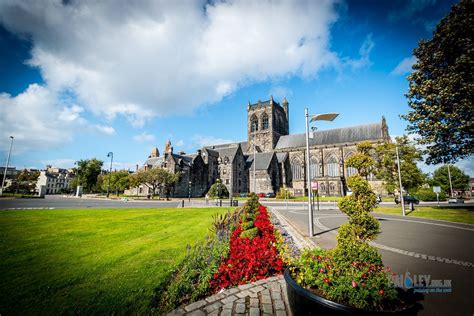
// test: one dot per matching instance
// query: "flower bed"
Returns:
(250, 258)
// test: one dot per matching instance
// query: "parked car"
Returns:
(455, 200)
(261, 195)
(270, 195)
(407, 199)
(243, 194)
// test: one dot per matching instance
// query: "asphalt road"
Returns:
(60, 202)
(442, 250)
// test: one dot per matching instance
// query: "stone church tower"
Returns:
(266, 122)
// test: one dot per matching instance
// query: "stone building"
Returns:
(271, 158)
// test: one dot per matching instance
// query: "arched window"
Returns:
(351, 171)
(332, 187)
(322, 188)
(297, 169)
(315, 172)
(254, 123)
(264, 121)
(332, 167)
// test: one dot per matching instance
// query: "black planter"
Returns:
(304, 302)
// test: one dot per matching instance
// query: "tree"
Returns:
(362, 160)
(218, 190)
(459, 179)
(386, 165)
(119, 181)
(26, 181)
(156, 179)
(442, 88)
(87, 172)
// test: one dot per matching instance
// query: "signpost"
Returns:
(437, 190)
(315, 187)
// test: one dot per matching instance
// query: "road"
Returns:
(440, 249)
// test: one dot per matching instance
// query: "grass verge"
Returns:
(92, 261)
(459, 215)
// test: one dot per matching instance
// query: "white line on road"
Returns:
(405, 252)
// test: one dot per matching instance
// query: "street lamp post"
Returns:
(254, 165)
(6, 166)
(318, 117)
(450, 182)
(111, 155)
(189, 191)
(400, 181)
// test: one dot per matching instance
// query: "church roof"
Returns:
(352, 134)
(229, 152)
(154, 161)
(262, 160)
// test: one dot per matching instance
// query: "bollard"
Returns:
(220, 203)
(182, 203)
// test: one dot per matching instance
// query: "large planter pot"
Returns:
(304, 302)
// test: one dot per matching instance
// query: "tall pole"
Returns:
(450, 182)
(308, 185)
(400, 181)
(254, 165)
(6, 166)
(111, 155)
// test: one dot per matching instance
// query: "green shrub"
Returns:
(218, 190)
(249, 233)
(248, 216)
(427, 194)
(284, 194)
(352, 273)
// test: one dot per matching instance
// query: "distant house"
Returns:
(54, 180)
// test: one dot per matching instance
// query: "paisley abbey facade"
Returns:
(270, 158)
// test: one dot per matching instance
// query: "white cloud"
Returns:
(35, 119)
(180, 143)
(108, 130)
(404, 66)
(364, 55)
(141, 59)
(59, 163)
(144, 137)
(202, 140)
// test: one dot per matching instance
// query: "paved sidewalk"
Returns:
(264, 297)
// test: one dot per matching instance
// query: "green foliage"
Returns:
(386, 165)
(158, 180)
(218, 190)
(88, 171)
(427, 194)
(190, 280)
(248, 216)
(441, 88)
(459, 179)
(361, 284)
(119, 181)
(352, 273)
(283, 194)
(25, 182)
(362, 160)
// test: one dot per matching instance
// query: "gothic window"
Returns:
(332, 167)
(315, 172)
(264, 121)
(254, 123)
(351, 171)
(297, 169)
(322, 187)
(332, 187)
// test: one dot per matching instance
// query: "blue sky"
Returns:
(83, 79)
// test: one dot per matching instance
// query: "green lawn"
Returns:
(91, 261)
(460, 215)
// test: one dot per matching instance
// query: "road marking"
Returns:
(27, 208)
(428, 223)
(404, 252)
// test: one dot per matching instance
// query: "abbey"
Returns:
(270, 158)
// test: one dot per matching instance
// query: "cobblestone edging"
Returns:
(264, 297)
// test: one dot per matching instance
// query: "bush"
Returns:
(352, 273)
(427, 194)
(283, 194)
(218, 190)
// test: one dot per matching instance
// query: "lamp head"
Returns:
(324, 117)
(110, 154)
